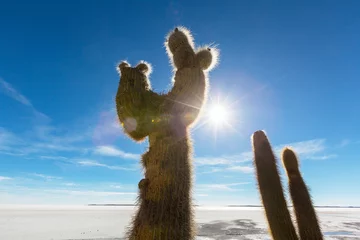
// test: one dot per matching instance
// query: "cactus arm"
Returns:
(277, 213)
(136, 104)
(303, 207)
(189, 91)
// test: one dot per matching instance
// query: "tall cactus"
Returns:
(277, 213)
(165, 208)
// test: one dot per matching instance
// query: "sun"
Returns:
(218, 114)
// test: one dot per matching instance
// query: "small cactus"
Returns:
(271, 191)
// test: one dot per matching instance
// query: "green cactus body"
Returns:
(165, 207)
(271, 191)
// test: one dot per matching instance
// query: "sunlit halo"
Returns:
(218, 114)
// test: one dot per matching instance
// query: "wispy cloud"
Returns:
(57, 147)
(117, 186)
(202, 195)
(53, 157)
(37, 183)
(243, 169)
(114, 152)
(39, 191)
(11, 92)
(304, 148)
(41, 144)
(46, 177)
(312, 149)
(91, 163)
(224, 160)
(7, 137)
(28, 196)
(237, 162)
(344, 142)
(88, 193)
(323, 157)
(70, 184)
(233, 168)
(2, 178)
(221, 187)
(211, 161)
(107, 129)
(57, 135)
(9, 143)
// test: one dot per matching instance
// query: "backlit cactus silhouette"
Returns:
(165, 208)
(278, 216)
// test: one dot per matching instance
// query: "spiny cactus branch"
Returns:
(303, 207)
(271, 191)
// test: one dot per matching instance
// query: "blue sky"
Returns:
(290, 69)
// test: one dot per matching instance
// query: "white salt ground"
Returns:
(74, 222)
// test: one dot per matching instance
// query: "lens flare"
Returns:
(218, 114)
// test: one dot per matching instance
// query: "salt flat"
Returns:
(100, 222)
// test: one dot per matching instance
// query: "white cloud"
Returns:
(344, 143)
(56, 135)
(224, 160)
(107, 129)
(226, 163)
(311, 149)
(53, 157)
(56, 147)
(11, 153)
(2, 178)
(88, 193)
(230, 168)
(10, 144)
(60, 194)
(37, 142)
(202, 195)
(213, 170)
(7, 137)
(323, 157)
(114, 152)
(304, 149)
(221, 187)
(11, 92)
(91, 163)
(211, 161)
(70, 184)
(243, 169)
(46, 177)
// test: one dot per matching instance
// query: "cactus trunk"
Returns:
(165, 209)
